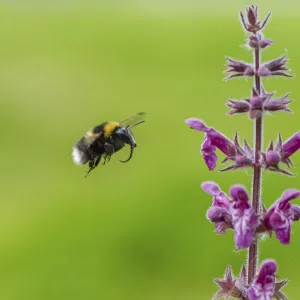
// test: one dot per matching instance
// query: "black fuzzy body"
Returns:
(104, 140)
(95, 145)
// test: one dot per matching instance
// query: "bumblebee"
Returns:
(104, 140)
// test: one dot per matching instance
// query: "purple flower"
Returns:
(281, 215)
(251, 23)
(238, 68)
(263, 286)
(218, 213)
(272, 158)
(275, 67)
(281, 153)
(244, 219)
(296, 212)
(290, 146)
(212, 140)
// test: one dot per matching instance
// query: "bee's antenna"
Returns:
(143, 121)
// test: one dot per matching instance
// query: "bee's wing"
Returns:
(139, 117)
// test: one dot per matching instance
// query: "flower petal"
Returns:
(197, 124)
(244, 219)
(291, 146)
(211, 188)
(296, 212)
(281, 215)
(212, 140)
(239, 193)
(284, 234)
(217, 214)
(209, 153)
(220, 199)
(290, 194)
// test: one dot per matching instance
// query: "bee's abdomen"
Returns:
(84, 152)
(80, 153)
(79, 157)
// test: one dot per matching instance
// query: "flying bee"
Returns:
(104, 140)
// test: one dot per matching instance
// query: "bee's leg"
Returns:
(97, 161)
(109, 149)
(106, 158)
(93, 164)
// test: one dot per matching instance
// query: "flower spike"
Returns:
(252, 220)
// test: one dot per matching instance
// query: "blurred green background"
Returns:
(138, 230)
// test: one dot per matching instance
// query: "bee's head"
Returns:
(125, 135)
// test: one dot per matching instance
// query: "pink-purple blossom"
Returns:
(290, 146)
(263, 286)
(236, 213)
(281, 215)
(218, 213)
(281, 153)
(212, 140)
(244, 219)
(250, 220)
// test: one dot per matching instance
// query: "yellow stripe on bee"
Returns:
(109, 128)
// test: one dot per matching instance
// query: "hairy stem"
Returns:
(256, 183)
